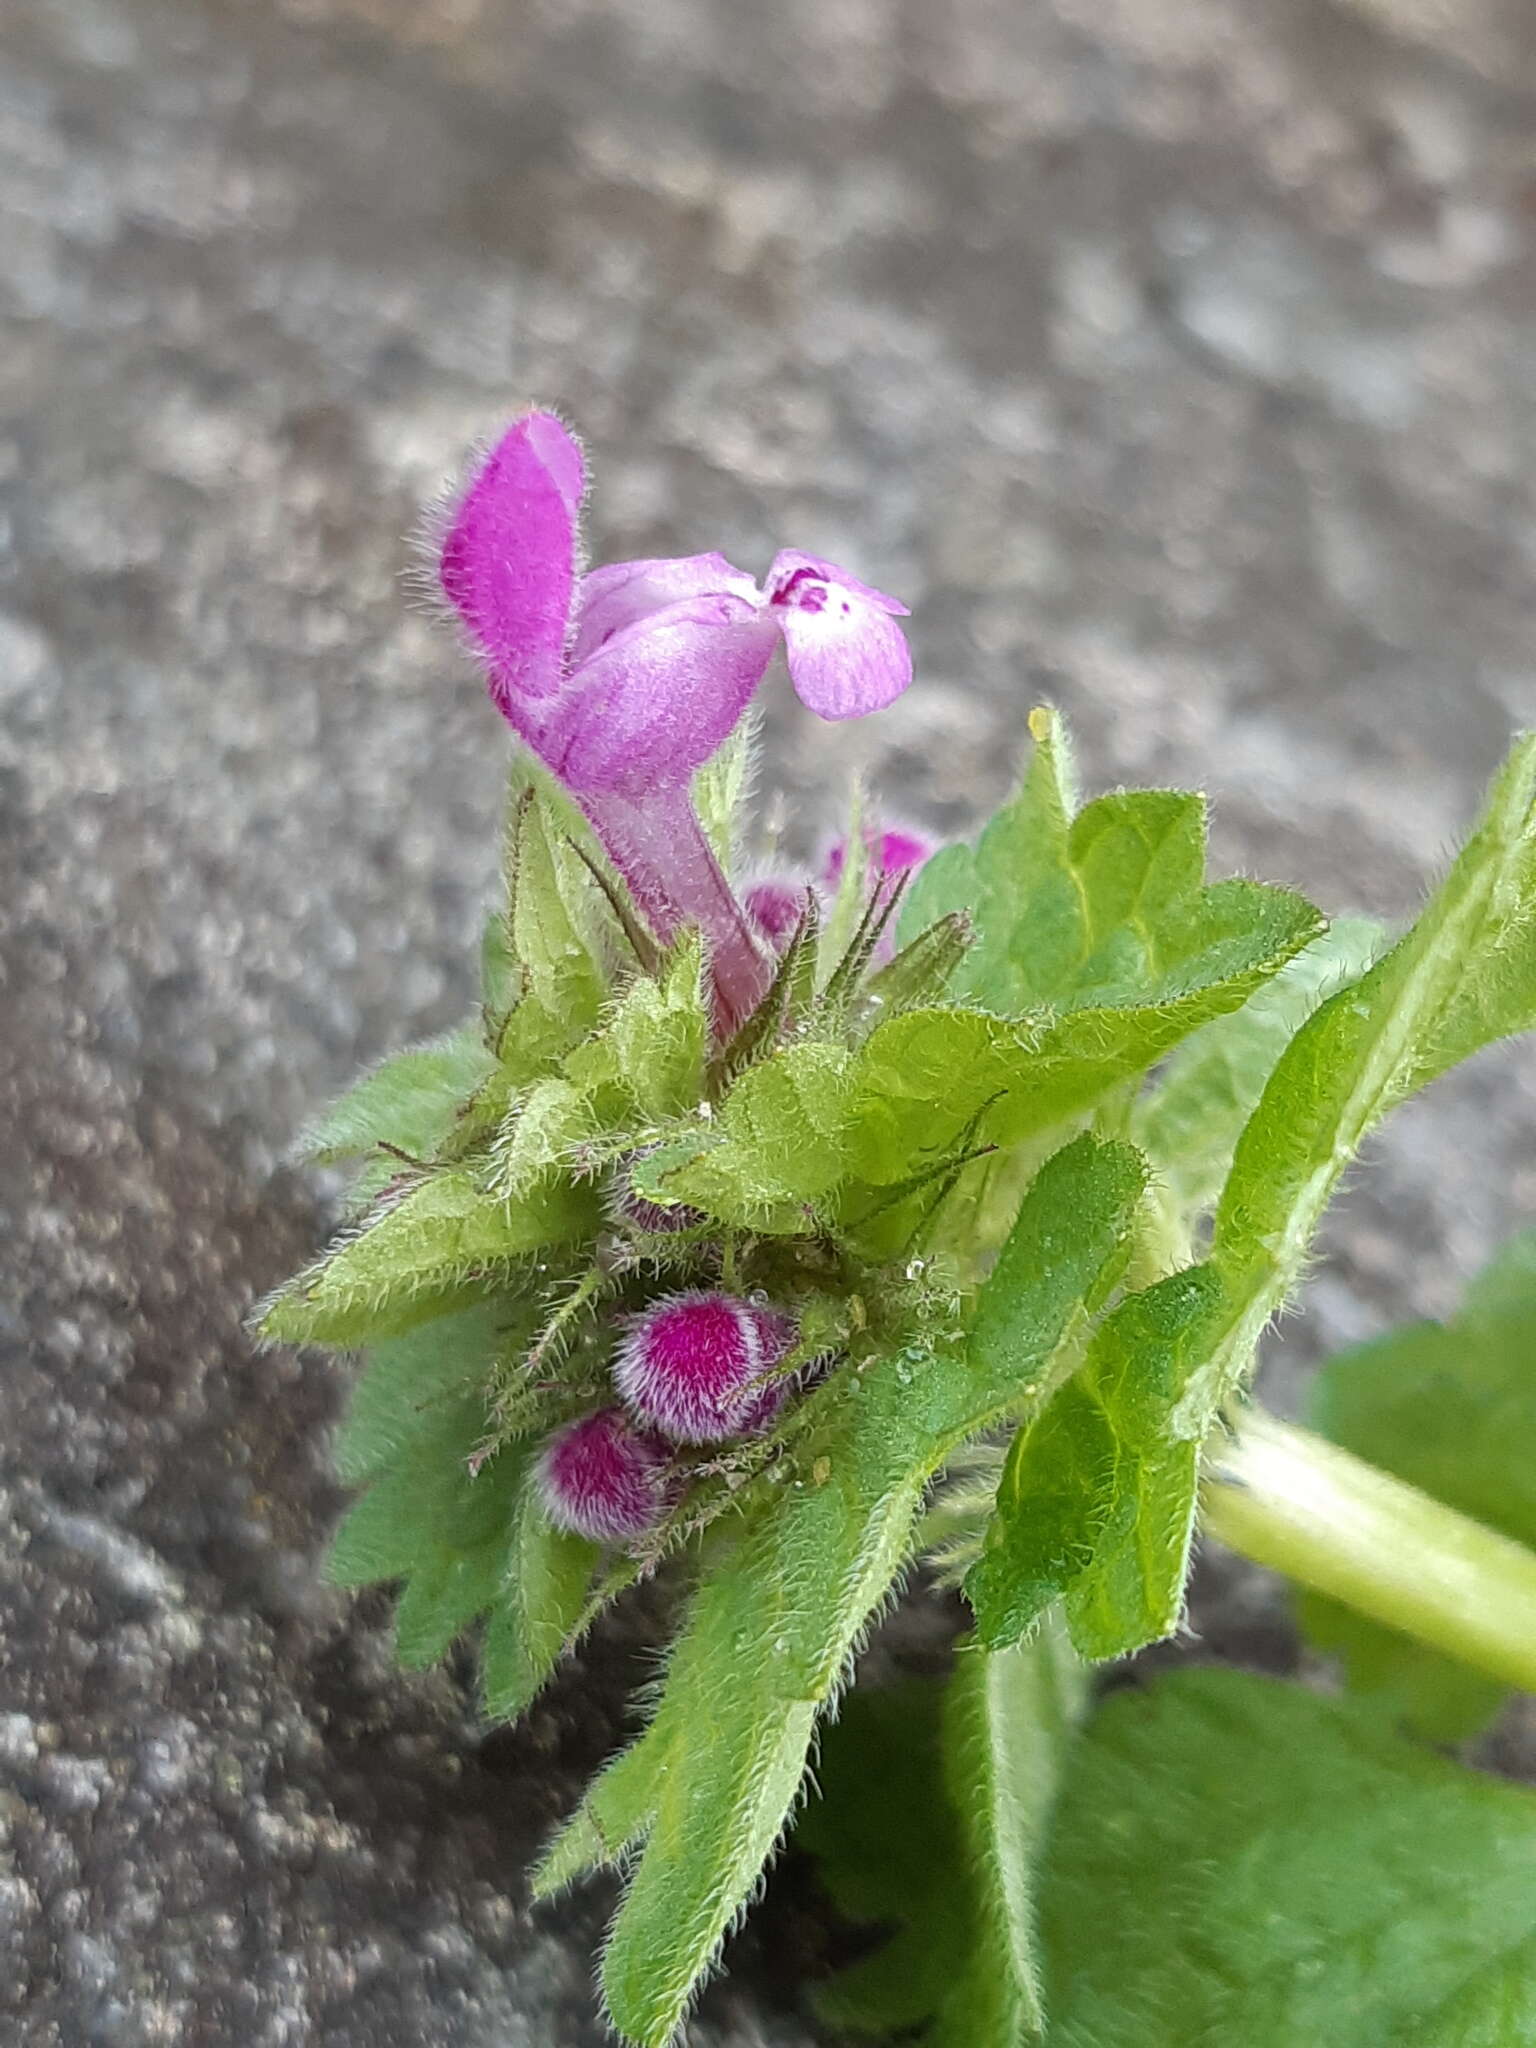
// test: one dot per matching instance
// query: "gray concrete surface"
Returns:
(1173, 357)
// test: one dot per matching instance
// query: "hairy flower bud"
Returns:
(776, 907)
(690, 1366)
(603, 1478)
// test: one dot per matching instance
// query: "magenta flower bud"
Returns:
(777, 1335)
(776, 907)
(892, 853)
(604, 1479)
(690, 1366)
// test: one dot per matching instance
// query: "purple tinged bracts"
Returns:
(625, 681)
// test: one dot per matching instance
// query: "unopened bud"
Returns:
(692, 1366)
(891, 853)
(603, 1478)
(776, 907)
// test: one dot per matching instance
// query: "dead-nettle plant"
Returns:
(790, 1231)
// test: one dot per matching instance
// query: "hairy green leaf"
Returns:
(721, 788)
(777, 1145)
(1191, 1121)
(435, 1519)
(410, 1102)
(953, 1860)
(405, 1380)
(920, 973)
(1097, 1499)
(442, 1245)
(1451, 1408)
(547, 961)
(537, 1605)
(1464, 974)
(791, 1586)
(659, 1034)
(1096, 934)
(443, 1597)
(1008, 1721)
(1105, 911)
(1237, 1860)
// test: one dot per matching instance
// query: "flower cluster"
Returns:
(625, 680)
(694, 1368)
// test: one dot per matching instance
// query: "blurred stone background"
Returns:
(1173, 357)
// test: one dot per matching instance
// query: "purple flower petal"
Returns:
(610, 599)
(508, 563)
(790, 565)
(846, 653)
(659, 698)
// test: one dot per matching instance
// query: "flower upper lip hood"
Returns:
(626, 680)
(639, 671)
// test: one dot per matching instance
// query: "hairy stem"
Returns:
(1292, 1501)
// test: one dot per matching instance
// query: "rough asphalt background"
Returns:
(1175, 359)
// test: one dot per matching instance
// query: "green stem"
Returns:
(1292, 1501)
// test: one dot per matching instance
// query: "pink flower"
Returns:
(602, 1478)
(626, 680)
(692, 1366)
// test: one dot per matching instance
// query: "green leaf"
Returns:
(1019, 868)
(1237, 1860)
(1008, 1722)
(538, 1604)
(436, 1520)
(952, 1861)
(1451, 1408)
(441, 1599)
(411, 1102)
(1072, 1222)
(659, 1034)
(777, 1145)
(1097, 1500)
(442, 1245)
(931, 1075)
(900, 1861)
(1105, 911)
(1190, 1123)
(920, 973)
(721, 788)
(1464, 974)
(549, 957)
(538, 1134)
(792, 1584)
(922, 1082)
(407, 1379)
(428, 1501)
